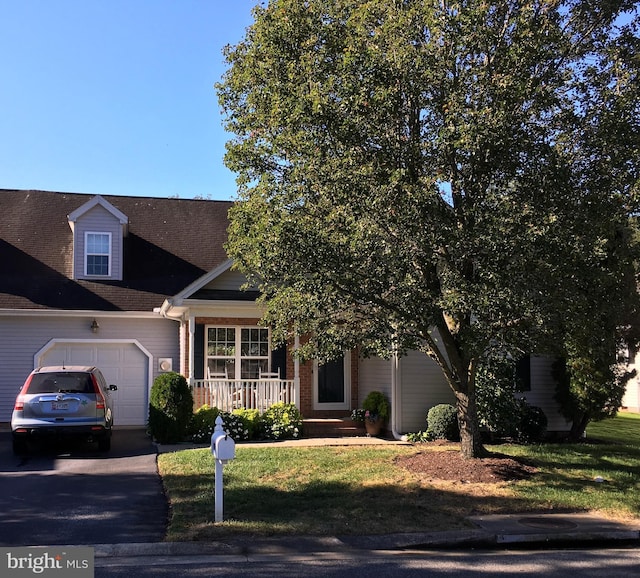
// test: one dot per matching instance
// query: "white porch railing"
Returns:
(230, 394)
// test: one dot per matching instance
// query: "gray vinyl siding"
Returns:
(543, 388)
(21, 337)
(374, 374)
(230, 280)
(98, 220)
(423, 386)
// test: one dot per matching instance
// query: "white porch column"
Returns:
(192, 354)
(183, 348)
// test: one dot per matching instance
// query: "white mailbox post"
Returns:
(223, 449)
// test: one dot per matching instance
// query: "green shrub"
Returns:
(241, 424)
(250, 421)
(170, 408)
(496, 388)
(377, 404)
(282, 421)
(531, 424)
(202, 424)
(235, 425)
(442, 423)
(419, 437)
(499, 408)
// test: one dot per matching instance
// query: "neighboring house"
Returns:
(631, 399)
(139, 286)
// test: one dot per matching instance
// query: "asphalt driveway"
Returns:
(70, 494)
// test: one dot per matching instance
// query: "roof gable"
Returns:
(97, 200)
(171, 244)
(202, 281)
(220, 283)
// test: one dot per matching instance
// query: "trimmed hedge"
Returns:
(170, 408)
(442, 423)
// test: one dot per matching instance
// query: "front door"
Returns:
(332, 383)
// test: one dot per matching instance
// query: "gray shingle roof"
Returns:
(171, 243)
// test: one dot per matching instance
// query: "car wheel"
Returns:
(19, 447)
(104, 444)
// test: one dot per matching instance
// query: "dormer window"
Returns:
(97, 254)
(99, 230)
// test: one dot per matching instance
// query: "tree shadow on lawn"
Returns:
(587, 476)
(588, 456)
(333, 508)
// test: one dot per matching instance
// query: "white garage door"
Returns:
(122, 364)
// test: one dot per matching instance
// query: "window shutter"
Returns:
(523, 374)
(279, 360)
(198, 352)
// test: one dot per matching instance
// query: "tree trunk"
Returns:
(470, 440)
(460, 373)
(578, 427)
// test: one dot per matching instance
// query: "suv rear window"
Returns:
(67, 382)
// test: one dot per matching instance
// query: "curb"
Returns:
(310, 544)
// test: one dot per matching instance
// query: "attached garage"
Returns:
(125, 364)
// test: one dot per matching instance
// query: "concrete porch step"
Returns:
(331, 428)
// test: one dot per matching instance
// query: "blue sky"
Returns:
(116, 96)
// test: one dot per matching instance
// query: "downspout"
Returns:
(395, 398)
(164, 312)
(296, 371)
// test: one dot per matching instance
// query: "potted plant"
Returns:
(374, 413)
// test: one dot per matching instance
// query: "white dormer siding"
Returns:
(98, 240)
(230, 280)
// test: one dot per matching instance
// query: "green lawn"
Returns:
(569, 473)
(360, 490)
(624, 429)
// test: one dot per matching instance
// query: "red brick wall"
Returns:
(306, 369)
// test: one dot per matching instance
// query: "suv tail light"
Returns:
(101, 403)
(19, 405)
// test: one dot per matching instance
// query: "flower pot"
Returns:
(373, 427)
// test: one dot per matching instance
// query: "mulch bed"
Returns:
(449, 465)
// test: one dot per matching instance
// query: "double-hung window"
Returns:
(237, 352)
(97, 254)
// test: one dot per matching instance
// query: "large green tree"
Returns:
(433, 174)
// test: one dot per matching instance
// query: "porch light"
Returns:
(94, 326)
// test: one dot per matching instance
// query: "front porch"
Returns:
(260, 394)
(230, 394)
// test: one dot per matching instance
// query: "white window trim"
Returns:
(86, 253)
(238, 357)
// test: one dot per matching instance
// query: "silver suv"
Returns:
(61, 402)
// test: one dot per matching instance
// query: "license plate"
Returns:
(59, 405)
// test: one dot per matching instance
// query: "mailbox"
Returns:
(224, 448)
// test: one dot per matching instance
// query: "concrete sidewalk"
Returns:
(571, 530)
